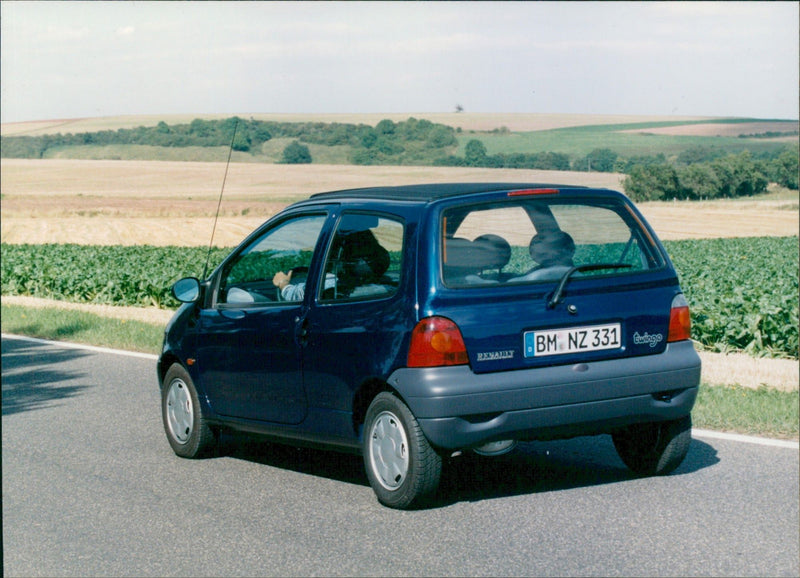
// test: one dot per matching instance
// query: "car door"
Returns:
(249, 359)
(354, 330)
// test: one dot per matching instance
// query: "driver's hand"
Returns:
(281, 279)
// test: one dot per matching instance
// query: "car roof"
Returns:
(432, 192)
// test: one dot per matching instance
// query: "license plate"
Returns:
(572, 340)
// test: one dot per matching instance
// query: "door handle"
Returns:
(302, 331)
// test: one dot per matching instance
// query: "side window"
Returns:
(364, 258)
(274, 266)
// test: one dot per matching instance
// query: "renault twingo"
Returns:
(412, 323)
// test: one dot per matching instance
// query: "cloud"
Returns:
(63, 33)
(723, 59)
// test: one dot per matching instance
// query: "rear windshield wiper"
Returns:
(558, 294)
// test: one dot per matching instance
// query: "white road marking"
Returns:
(82, 346)
(702, 433)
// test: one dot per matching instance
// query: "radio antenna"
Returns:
(219, 203)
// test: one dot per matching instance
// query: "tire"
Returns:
(654, 448)
(187, 430)
(402, 467)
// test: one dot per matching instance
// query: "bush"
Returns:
(599, 160)
(784, 169)
(652, 183)
(475, 153)
(296, 154)
(726, 177)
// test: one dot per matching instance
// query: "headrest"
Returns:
(497, 251)
(485, 252)
(362, 246)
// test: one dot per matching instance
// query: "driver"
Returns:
(295, 291)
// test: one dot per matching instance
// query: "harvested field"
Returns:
(723, 129)
(722, 219)
(22, 179)
(173, 203)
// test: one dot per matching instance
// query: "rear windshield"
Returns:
(539, 240)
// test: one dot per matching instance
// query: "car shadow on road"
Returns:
(535, 467)
(540, 467)
(33, 376)
(333, 465)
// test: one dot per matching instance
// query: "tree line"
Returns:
(696, 173)
(734, 175)
(389, 142)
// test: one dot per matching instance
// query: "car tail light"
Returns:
(436, 341)
(680, 324)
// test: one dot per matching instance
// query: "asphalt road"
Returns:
(91, 488)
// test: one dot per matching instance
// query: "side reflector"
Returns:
(436, 341)
(680, 324)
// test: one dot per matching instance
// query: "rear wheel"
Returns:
(654, 448)
(402, 467)
(187, 430)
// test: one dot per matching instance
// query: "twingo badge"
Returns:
(496, 355)
(647, 339)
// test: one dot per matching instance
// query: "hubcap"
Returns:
(180, 412)
(389, 450)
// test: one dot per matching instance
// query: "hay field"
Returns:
(723, 129)
(173, 203)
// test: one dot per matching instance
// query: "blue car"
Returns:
(411, 324)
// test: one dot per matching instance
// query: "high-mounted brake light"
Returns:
(436, 341)
(526, 192)
(680, 324)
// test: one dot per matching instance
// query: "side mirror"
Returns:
(186, 290)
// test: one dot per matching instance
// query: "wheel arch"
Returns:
(167, 360)
(363, 398)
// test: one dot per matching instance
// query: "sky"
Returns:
(93, 59)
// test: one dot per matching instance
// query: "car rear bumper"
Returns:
(457, 408)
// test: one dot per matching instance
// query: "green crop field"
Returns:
(625, 140)
(743, 292)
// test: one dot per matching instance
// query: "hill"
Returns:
(463, 120)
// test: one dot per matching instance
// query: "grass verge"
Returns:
(762, 412)
(81, 327)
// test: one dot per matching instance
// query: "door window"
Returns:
(274, 266)
(364, 259)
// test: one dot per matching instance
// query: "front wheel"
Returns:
(187, 430)
(654, 448)
(402, 467)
